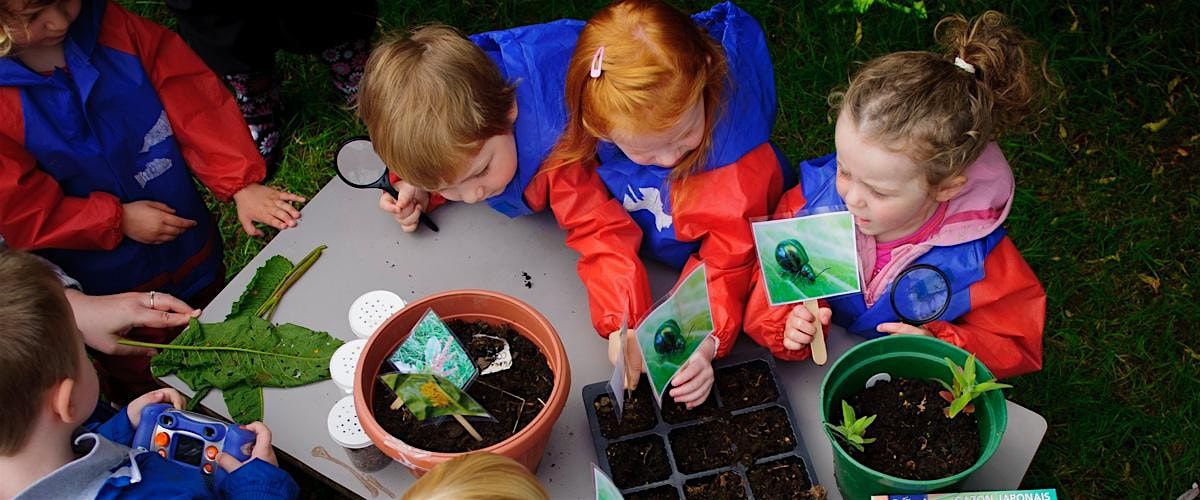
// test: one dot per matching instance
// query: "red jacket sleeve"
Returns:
(715, 208)
(208, 126)
(765, 323)
(36, 213)
(606, 238)
(1008, 314)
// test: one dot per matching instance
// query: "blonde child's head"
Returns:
(477, 476)
(431, 101)
(39, 346)
(942, 109)
(656, 90)
(34, 22)
(911, 123)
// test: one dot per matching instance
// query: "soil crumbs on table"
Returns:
(726, 485)
(914, 439)
(784, 479)
(513, 396)
(637, 414)
(746, 385)
(638, 461)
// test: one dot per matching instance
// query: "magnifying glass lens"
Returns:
(920, 294)
(358, 164)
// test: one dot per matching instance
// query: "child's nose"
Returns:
(55, 18)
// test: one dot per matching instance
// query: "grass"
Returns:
(1106, 208)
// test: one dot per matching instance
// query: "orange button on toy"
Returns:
(208, 468)
(162, 439)
(211, 452)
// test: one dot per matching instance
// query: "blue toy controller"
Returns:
(191, 439)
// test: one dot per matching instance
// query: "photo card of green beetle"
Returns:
(808, 257)
(605, 489)
(674, 329)
(432, 348)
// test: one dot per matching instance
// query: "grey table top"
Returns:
(479, 248)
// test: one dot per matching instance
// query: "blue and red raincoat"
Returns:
(706, 218)
(534, 58)
(134, 116)
(997, 306)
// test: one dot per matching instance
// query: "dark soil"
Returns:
(763, 433)
(637, 414)
(721, 486)
(914, 439)
(664, 492)
(782, 479)
(746, 385)
(677, 413)
(529, 378)
(638, 461)
(703, 446)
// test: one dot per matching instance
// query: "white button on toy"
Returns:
(343, 362)
(371, 309)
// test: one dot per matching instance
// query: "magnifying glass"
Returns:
(920, 294)
(359, 167)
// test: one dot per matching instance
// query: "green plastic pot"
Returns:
(912, 357)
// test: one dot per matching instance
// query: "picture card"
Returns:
(674, 329)
(807, 258)
(432, 348)
(605, 489)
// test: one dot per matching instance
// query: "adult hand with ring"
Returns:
(105, 319)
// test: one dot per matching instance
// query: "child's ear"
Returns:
(61, 401)
(512, 113)
(950, 188)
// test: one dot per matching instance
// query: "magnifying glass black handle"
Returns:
(421, 219)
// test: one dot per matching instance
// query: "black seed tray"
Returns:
(662, 429)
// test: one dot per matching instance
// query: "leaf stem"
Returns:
(267, 309)
(136, 343)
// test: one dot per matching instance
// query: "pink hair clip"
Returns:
(597, 62)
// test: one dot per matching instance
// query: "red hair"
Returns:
(657, 64)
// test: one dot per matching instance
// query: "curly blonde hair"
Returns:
(932, 108)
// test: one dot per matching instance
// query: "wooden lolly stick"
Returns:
(470, 430)
(819, 354)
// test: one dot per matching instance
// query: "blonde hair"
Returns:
(657, 65)
(477, 476)
(13, 19)
(38, 343)
(936, 112)
(429, 100)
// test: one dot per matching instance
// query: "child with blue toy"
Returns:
(679, 112)
(49, 388)
(472, 120)
(918, 167)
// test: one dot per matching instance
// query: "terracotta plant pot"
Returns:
(527, 445)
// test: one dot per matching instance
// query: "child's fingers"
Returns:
(286, 196)
(694, 395)
(174, 397)
(287, 208)
(801, 313)
(902, 328)
(157, 205)
(387, 203)
(248, 226)
(262, 442)
(284, 216)
(177, 222)
(227, 462)
(826, 315)
(795, 340)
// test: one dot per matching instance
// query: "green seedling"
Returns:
(852, 429)
(965, 388)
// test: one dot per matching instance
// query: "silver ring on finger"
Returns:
(152, 294)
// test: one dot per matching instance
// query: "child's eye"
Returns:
(484, 171)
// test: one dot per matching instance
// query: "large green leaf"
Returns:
(246, 352)
(245, 403)
(265, 279)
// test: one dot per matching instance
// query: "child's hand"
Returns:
(694, 381)
(152, 222)
(407, 206)
(633, 360)
(799, 329)
(262, 449)
(905, 328)
(167, 395)
(270, 206)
